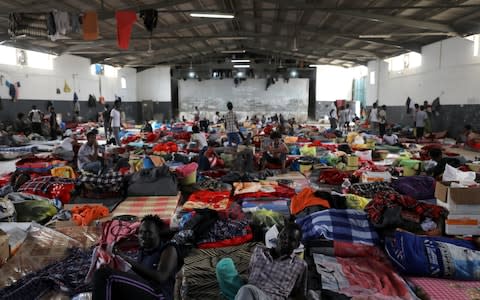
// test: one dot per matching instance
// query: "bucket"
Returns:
(189, 179)
(305, 166)
(352, 161)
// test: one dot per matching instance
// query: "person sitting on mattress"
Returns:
(437, 156)
(275, 273)
(152, 275)
(276, 152)
(87, 158)
(470, 137)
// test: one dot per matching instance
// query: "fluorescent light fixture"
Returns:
(375, 36)
(293, 73)
(241, 66)
(233, 51)
(191, 74)
(234, 38)
(240, 60)
(212, 15)
(312, 66)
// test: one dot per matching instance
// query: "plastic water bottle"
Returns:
(346, 185)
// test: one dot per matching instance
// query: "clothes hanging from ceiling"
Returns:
(125, 21)
(90, 26)
(150, 19)
(74, 22)
(31, 24)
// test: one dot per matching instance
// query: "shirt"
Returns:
(382, 115)
(374, 115)
(215, 119)
(231, 122)
(200, 139)
(390, 139)
(36, 116)
(115, 116)
(420, 118)
(83, 155)
(277, 277)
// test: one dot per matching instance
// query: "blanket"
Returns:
(361, 277)
(346, 225)
(163, 206)
(435, 288)
(108, 182)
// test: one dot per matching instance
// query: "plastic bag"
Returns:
(308, 151)
(364, 155)
(452, 174)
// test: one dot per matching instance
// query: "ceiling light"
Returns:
(212, 15)
(240, 60)
(233, 51)
(240, 74)
(312, 66)
(375, 36)
(241, 66)
(293, 73)
(234, 38)
(191, 74)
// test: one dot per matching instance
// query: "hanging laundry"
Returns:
(58, 91)
(150, 19)
(409, 101)
(66, 88)
(62, 22)
(11, 90)
(92, 101)
(75, 97)
(74, 22)
(32, 24)
(125, 21)
(51, 26)
(90, 26)
(101, 100)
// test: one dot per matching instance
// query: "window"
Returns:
(123, 82)
(405, 61)
(476, 40)
(8, 55)
(372, 77)
(39, 60)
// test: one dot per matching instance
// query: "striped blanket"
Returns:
(163, 206)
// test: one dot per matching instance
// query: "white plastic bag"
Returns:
(364, 155)
(453, 174)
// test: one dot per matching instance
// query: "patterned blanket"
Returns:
(163, 206)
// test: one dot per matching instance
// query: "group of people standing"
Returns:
(34, 121)
(341, 118)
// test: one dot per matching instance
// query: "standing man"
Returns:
(107, 122)
(231, 126)
(115, 118)
(420, 119)
(373, 117)
(196, 115)
(36, 116)
(333, 118)
(382, 120)
(53, 123)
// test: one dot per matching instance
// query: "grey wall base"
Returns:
(133, 110)
(452, 118)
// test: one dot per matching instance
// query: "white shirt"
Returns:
(36, 116)
(83, 155)
(115, 116)
(200, 139)
(215, 119)
(420, 118)
(390, 139)
(374, 115)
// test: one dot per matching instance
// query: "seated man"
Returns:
(275, 273)
(276, 152)
(147, 127)
(19, 125)
(437, 156)
(470, 137)
(198, 137)
(66, 149)
(88, 159)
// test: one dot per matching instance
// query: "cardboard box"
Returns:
(445, 193)
(4, 247)
(459, 209)
(368, 177)
(462, 224)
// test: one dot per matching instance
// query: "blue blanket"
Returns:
(347, 225)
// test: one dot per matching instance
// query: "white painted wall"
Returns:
(333, 83)
(38, 84)
(154, 84)
(449, 71)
